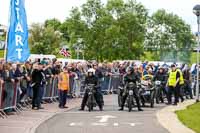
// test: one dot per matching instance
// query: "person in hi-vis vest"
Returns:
(173, 85)
(63, 86)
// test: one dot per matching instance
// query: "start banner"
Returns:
(17, 42)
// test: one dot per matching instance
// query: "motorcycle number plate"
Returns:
(157, 82)
(147, 93)
(130, 92)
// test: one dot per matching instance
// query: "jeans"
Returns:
(62, 98)
(41, 93)
(36, 96)
(29, 91)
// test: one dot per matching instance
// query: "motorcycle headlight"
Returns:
(130, 92)
(157, 82)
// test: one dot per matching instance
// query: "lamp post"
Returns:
(196, 11)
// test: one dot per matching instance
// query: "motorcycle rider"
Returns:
(161, 76)
(92, 79)
(131, 76)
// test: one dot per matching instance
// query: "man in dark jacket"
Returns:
(37, 79)
(131, 76)
(187, 80)
(161, 76)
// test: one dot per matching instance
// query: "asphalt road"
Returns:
(109, 121)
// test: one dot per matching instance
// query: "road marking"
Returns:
(104, 118)
(75, 124)
(116, 124)
(72, 124)
(132, 124)
(99, 124)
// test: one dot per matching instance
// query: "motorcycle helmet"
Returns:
(91, 70)
(131, 69)
(161, 67)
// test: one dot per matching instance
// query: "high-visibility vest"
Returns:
(181, 80)
(64, 83)
(172, 78)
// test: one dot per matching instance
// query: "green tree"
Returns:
(54, 23)
(44, 40)
(169, 35)
(112, 31)
(75, 28)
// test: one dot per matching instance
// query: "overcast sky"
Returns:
(40, 10)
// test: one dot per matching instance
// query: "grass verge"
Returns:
(191, 117)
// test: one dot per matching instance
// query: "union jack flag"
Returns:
(65, 52)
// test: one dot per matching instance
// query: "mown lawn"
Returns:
(191, 117)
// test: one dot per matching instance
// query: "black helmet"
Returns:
(160, 67)
(131, 69)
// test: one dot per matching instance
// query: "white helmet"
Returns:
(91, 70)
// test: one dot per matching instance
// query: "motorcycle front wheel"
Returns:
(130, 103)
(90, 103)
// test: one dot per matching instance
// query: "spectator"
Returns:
(63, 86)
(37, 79)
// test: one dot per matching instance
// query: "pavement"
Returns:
(110, 120)
(28, 120)
(168, 119)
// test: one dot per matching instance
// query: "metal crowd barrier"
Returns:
(115, 81)
(8, 98)
(194, 82)
(111, 83)
(54, 92)
(82, 85)
(51, 89)
(71, 84)
(48, 89)
(105, 84)
(77, 86)
(1, 108)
